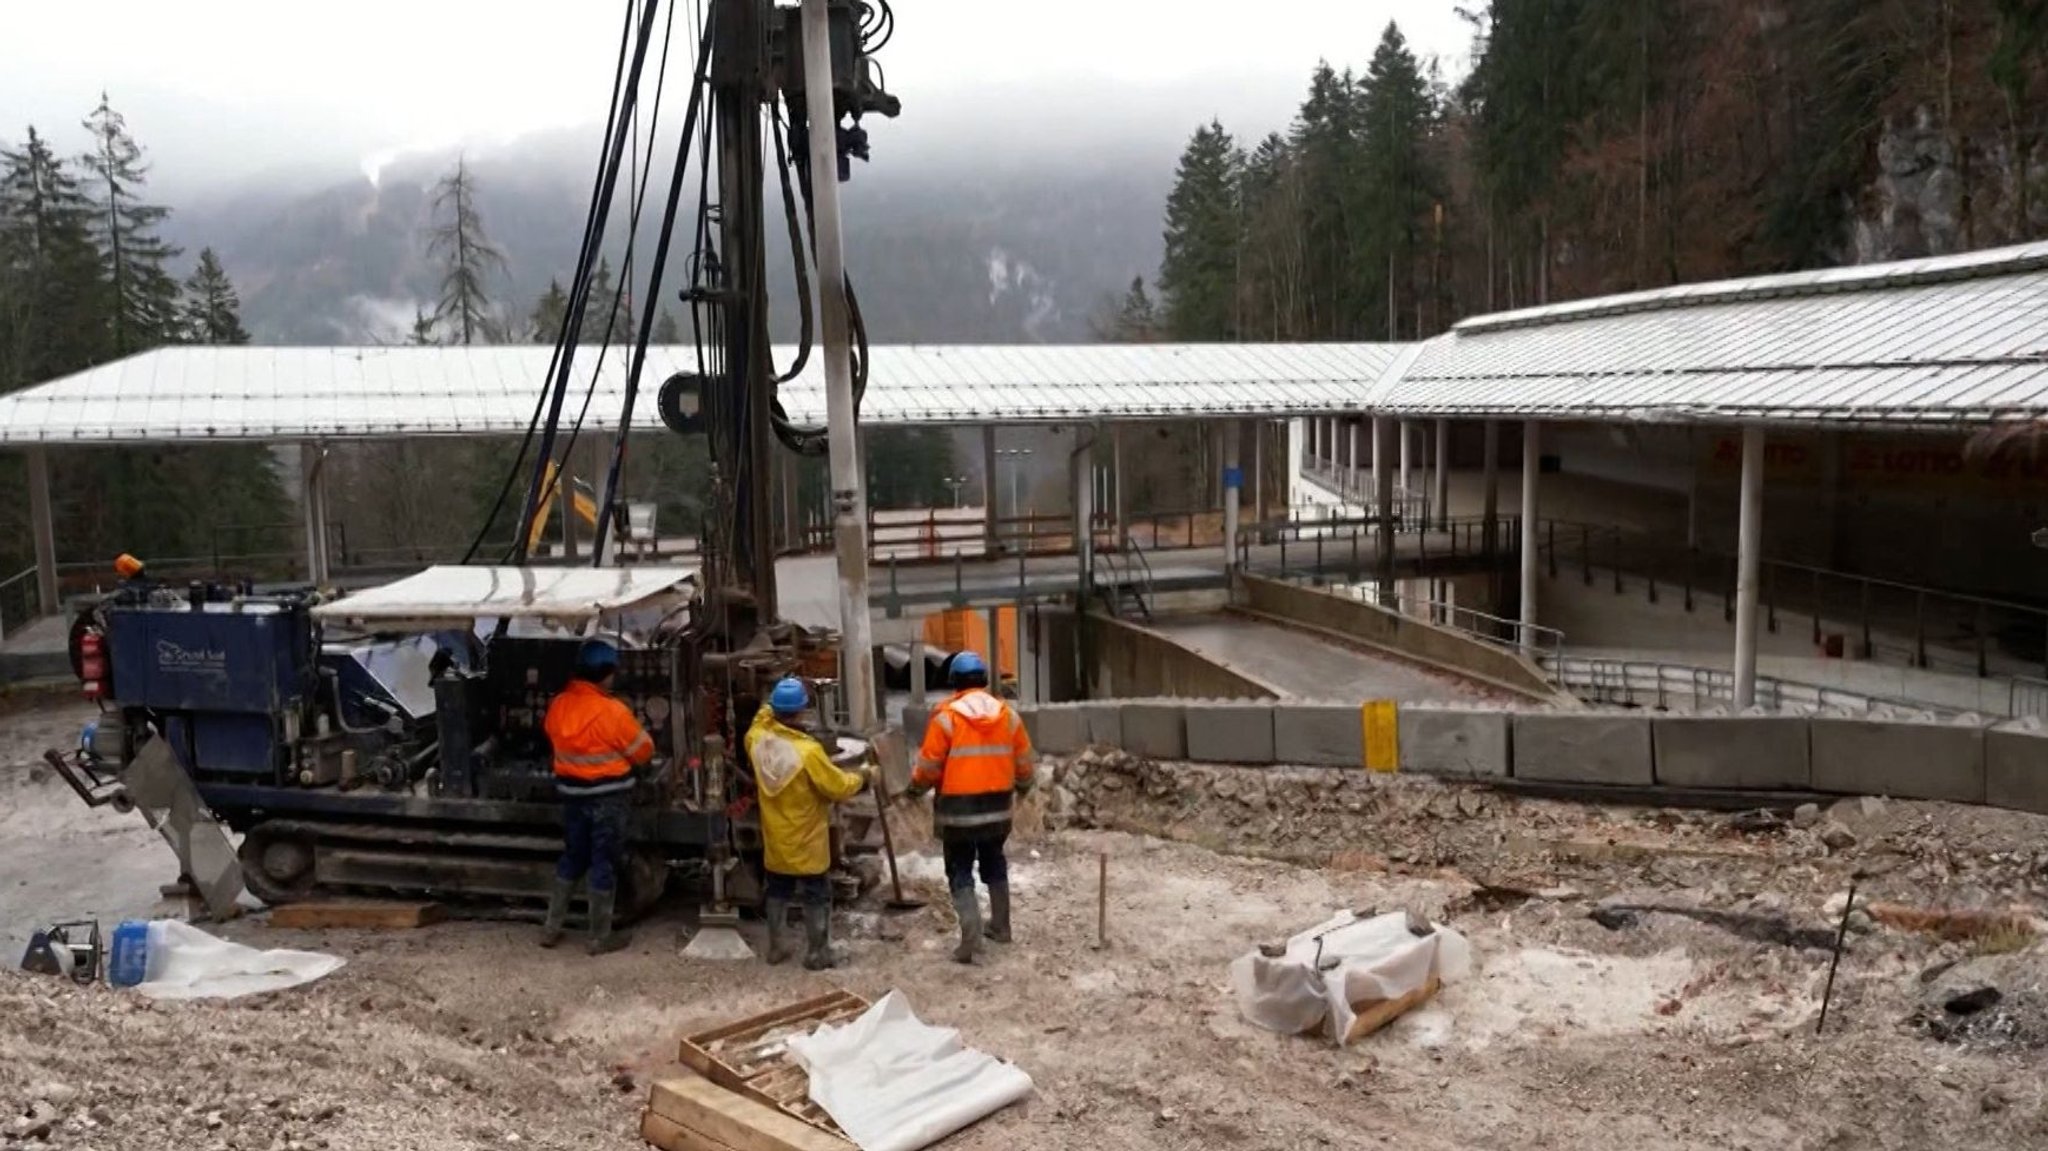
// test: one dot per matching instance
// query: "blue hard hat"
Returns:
(969, 663)
(789, 697)
(597, 655)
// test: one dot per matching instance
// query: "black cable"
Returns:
(580, 299)
(797, 250)
(639, 362)
(589, 215)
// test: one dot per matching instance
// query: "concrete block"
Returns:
(2016, 770)
(1318, 735)
(1453, 742)
(1745, 752)
(1061, 730)
(1230, 732)
(1567, 747)
(1899, 759)
(1104, 724)
(1155, 730)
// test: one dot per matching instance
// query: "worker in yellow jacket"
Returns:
(798, 784)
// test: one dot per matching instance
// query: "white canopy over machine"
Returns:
(564, 598)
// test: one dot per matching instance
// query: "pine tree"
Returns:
(1198, 273)
(143, 298)
(466, 256)
(50, 278)
(550, 314)
(666, 329)
(422, 334)
(212, 309)
(607, 317)
(1395, 187)
(1325, 145)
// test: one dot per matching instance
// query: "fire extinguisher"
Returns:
(92, 663)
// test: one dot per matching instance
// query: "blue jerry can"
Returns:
(128, 958)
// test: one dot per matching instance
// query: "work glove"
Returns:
(917, 790)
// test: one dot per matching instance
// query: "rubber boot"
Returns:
(968, 908)
(818, 934)
(778, 931)
(999, 912)
(551, 932)
(603, 940)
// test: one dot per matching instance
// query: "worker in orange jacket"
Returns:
(977, 756)
(597, 743)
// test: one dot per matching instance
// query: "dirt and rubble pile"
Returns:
(342, 1064)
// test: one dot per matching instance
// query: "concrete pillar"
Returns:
(1383, 496)
(1490, 530)
(1233, 483)
(1116, 467)
(43, 525)
(1748, 564)
(1407, 460)
(313, 502)
(989, 487)
(1532, 463)
(1259, 429)
(1443, 474)
(1379, 463)
(1355, 475)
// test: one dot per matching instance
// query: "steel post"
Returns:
(42, 524)
(1532, 456)
(849, 500)
(1748, 562)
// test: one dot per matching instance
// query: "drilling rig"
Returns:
(390, 740)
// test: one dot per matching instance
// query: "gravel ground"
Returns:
(1672, 1028)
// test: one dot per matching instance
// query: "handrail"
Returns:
(1494, 630)
(1627, 681)
(21, 578)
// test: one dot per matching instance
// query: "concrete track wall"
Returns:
(1643, 752)
(1370, 624)
(1133, 662)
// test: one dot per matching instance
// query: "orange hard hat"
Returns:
(127, 566)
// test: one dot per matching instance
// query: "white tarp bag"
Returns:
(187, 963)
(1343, 961)
(893, 1083)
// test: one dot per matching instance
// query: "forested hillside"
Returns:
(1608, 145)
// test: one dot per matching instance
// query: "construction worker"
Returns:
(977, 756)
(597, 743)
(798, 784)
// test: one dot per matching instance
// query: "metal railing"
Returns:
(20, 601)
(1651, 683)
(1497, 631)
(1923, 627)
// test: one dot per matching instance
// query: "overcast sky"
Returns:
(222, 90)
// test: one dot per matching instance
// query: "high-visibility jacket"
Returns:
(596, 741)
(797, 784)
(977, 756)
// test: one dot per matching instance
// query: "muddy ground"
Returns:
(1686, 1027)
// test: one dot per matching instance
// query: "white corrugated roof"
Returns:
(262, 393)
(1959, 339)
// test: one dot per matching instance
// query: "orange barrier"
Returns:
(966, 629)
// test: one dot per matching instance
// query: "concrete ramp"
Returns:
(1304, 666)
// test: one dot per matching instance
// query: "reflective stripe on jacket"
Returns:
(976, 755)
(596, 741)
(798, 784)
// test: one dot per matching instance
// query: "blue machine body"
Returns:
(222, 673)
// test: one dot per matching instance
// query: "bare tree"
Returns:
(466, 256)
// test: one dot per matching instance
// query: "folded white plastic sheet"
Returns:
(1339, 962)
(894, 1083)
(187, 963)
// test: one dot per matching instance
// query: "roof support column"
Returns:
(1379, 466)
(1532, 464)
(313, 477)
(1383, 497)
(1490, 529)
(1116, 479)
(1354, 475)
(1259, 430)
(42, 524)
(1407, 465)
(1443, 474)
(1233, 483)
(988, 490)
(1748, 564)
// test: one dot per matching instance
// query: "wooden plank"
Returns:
(378, 916)
(734, 1119)
(757, 1024)
(669, 1135)
(1385, 1011)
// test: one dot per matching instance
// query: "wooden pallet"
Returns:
(751, 1056)
(693, 1115)
(356, 914)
